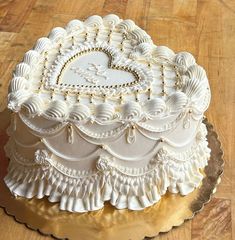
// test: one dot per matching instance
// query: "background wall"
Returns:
(204, 28)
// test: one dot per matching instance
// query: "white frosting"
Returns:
(103, 114)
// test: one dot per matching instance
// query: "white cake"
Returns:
(100, 114)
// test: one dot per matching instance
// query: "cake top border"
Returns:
(192, 92)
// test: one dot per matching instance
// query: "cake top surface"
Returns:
(106, 69)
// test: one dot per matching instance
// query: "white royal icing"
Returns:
(103, 114)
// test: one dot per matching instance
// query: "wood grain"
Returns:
(204, 27)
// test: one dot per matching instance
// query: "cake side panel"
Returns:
(125, 187)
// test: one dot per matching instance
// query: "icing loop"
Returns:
(70, 133)
(131, 136)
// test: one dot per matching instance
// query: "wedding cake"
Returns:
(100, 113)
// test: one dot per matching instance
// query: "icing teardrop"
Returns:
(69, 133)
(131, 135)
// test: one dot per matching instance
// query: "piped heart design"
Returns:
(97, 69)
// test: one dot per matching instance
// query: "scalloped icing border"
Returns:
(195, 92)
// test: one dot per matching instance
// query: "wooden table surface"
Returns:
(206, 28)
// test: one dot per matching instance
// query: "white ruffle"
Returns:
(122, 189)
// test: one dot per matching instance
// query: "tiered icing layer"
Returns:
(82, 171)
(101, 113)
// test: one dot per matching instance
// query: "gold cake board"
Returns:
(110, 223)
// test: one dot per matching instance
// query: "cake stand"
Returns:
(109, 223)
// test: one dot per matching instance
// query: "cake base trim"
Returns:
(45, 217)
(122, 187)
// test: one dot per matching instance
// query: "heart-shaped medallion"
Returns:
(98, 69)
